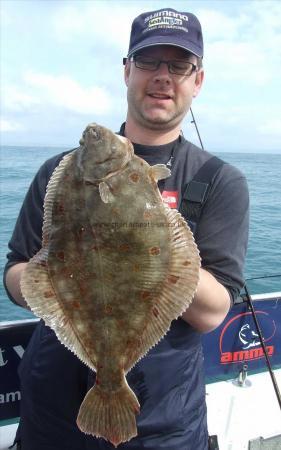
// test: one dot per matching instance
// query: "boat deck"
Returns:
(236, 414)
(7, 434)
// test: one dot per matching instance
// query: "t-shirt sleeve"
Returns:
(222, 232)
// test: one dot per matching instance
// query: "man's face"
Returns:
(159, 99)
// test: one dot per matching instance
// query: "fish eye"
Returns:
(94, 133)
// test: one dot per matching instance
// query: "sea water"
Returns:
(19, 165)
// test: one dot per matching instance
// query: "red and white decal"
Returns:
(171, 198)
(239, 340)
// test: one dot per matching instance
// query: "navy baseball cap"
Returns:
(166, 27)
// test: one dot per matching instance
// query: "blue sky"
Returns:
(61, 68)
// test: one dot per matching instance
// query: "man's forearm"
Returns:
(13, 283)
(210, 305)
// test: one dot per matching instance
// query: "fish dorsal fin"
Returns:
(105, 193)
(36, 285)
(50, 197)
(178, 288)
(159, 172)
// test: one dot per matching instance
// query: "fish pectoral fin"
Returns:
(159, 172)
(105, 193)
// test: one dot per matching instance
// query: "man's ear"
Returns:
(198, 82)
(127, 70)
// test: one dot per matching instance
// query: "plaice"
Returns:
(116, 266)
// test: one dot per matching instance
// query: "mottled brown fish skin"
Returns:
(117, 266)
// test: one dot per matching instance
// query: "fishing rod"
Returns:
(197, 131)
(250, 303)
(262, 340)
(261, 277)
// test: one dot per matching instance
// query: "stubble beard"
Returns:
(158, 122)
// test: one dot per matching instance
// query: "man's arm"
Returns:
(222, 235)
(210, 305)
(12, 281)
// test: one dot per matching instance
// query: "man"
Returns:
(163, 73)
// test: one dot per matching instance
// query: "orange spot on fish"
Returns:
(83, 288)
(186, 263)
(154, 251)
(61, 208)
(136, 268)
(124, 247)
(115, 211)
(134, 177)
(48, 294)
(173, 279)
(76, 304)
(155, 312)
(108, 309)
(97, 381)
(145, 295)
(121, 324)
(147, 215)
(60, 256)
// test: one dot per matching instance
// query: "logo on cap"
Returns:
(166, 19)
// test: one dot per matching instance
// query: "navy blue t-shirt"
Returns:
(169, 380)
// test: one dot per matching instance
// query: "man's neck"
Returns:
(145, 136)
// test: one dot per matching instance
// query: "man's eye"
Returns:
(147, 62)
(179, 65)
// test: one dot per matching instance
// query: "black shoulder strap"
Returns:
(197, 190)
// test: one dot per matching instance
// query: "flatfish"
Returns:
(116, 266)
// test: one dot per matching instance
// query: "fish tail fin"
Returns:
(111, 415)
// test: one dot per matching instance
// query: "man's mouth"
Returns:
(159, 96)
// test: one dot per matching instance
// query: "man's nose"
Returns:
(162, 73)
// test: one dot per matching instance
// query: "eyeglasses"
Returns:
(176, 66)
